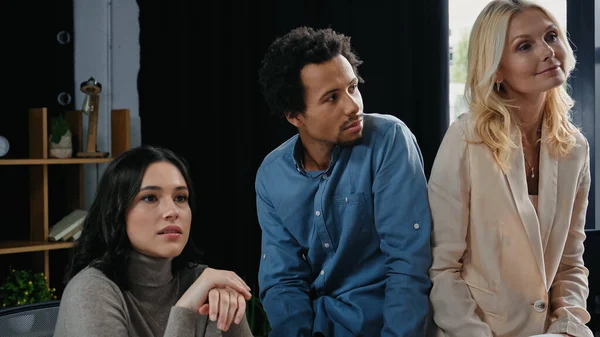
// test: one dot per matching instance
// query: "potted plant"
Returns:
(23, 287)
(61, 145)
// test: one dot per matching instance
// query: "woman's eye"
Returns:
(181, 198)
(552, 37)
(149, 198)
(524, 47)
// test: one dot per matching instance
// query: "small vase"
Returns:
(62, 149)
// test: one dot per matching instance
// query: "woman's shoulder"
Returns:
(90, 282)
(461, 129)
(582, 146)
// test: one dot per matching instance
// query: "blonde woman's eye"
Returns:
(552, 37)
(524, 47)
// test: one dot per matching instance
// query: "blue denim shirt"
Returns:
(346, 251)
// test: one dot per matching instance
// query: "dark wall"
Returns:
(35, 69)
(199, 94)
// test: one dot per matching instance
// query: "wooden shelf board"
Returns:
(54, 161)
(12, 247)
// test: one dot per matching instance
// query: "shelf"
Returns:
(12, 247)
(54, 161)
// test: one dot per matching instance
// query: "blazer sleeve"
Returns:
(569, 291)
(449, 197)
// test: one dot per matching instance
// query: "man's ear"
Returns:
(295, 121)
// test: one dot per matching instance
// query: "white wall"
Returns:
(106, 47)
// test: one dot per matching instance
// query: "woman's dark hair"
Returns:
(104, 243)
(279, 75)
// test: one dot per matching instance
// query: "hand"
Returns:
(197, 293)
(225, 304)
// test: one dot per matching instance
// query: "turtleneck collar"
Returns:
(149, 271)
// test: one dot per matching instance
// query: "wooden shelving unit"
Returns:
(12, 247)
(54, 161)
(38, 165)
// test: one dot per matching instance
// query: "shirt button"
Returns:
(539, 306)
(416, 226)
(317, 213)
(326, 245)
(264, 256)
(324, 176)
(322, 272)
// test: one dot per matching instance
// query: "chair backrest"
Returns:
(38, 319)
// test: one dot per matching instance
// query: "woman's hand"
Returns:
(226, 305)
(197, 293)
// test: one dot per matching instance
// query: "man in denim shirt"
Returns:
(342, 205)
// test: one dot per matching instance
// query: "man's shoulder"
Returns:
(285, 150)
(382, 120)
(377, 125)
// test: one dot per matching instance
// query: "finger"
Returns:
(241, 309)
(242, 291)
(213, 302)
(223, 309)
(239, 287)
(239, 280)
(233, 308)
(204, 309)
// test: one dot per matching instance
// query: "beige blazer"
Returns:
(498, 268)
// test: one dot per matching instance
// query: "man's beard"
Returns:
(350, 143)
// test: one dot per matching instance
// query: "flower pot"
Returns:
(62, 149)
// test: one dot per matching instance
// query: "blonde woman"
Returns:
(509, 187)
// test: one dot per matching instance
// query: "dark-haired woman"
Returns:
(135, 272)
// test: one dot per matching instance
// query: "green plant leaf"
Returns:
(24, 287)
(60, 126)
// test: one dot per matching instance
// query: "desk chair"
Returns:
(30, 320)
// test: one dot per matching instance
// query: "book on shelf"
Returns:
(68, 226)
(76, 236)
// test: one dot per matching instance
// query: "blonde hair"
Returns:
(492, 112)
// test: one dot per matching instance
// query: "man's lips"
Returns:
(353, 124)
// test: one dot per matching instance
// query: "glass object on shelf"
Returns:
(4, 146)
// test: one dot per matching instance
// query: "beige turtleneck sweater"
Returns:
(94, 306)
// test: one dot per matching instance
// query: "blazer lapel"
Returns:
(548, 190)
(518, 187)
(548, 187)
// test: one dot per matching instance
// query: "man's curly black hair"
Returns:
(279, 75)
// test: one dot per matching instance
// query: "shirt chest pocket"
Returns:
(351, 214)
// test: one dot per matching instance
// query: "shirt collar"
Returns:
(299, 158)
